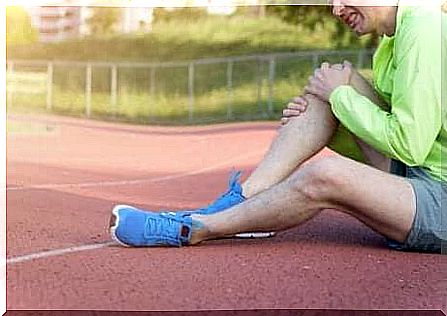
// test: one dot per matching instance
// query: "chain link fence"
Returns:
(194, 92)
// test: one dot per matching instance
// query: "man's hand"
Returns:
(298, 105)
(327, 79)
(295, 108)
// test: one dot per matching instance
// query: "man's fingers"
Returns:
(316, 72)
(325, 66)
(284, 120)
(296, 107)
(299, 100)
(337, 66)
(318, 75)
(347, 64)
(313, 89)
(291, 113)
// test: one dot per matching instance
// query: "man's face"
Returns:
(361, 18)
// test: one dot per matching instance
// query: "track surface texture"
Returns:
(64, 175)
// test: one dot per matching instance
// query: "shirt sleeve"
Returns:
(408, 131)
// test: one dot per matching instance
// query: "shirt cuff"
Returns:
(334, 98)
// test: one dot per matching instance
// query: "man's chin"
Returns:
(360, 32)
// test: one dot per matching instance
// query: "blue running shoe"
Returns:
(232, 197)
(130, 226)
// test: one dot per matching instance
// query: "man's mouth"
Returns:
(353, 20)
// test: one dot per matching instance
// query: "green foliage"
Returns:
(103, 20)
(211, 36)
(319, 18)
(167, 102)
(179, 14)
(18, 26)
(309, 17)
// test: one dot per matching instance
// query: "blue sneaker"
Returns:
(130, 226)
(232, 197)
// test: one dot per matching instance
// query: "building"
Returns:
(61, 20)
(58, 23)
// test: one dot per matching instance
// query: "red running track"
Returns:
(65, 175)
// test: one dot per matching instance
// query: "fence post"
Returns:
(113, 89)
(230, 90)
(315, 61)
(259, 84)
(360, 59)
(9, 84)
(191, 91)
(272, 66)
(152, 93)
(88, 90)
(49, 86)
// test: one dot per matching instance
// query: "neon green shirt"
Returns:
(407, 70)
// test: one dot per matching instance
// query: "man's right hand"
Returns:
(296, 107)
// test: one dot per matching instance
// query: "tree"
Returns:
(103, 20)
(178, 14)
(19, 29)
(311, 17)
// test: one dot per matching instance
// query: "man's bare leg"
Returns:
(299, 140)
(295, 143)
(382, 201)
(302, 138)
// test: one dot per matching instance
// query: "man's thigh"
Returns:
(348, 145)
(383, 201)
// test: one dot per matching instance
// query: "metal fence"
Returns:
(185, 86)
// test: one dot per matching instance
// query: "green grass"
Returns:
(175, 40)
(186, 40)
(142, 108)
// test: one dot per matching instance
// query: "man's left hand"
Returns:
(326, 79)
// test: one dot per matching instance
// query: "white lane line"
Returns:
(63, 251)
(130, 182)
(57, 252)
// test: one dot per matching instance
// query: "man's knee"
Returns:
(317, 179)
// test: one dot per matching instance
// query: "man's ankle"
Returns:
(199, 231)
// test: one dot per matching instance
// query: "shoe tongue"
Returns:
(233, 183)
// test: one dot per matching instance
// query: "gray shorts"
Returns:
(429, 230)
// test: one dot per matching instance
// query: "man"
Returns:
(398, 126)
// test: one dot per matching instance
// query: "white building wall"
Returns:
(136, 19)
(137, 16)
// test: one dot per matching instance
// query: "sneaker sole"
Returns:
(113, 223)
(255, 235)
(114, 220)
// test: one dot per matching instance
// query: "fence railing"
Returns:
(265, 70)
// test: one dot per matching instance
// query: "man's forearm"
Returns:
(365, 88)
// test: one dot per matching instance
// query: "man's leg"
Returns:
(304, 136)
(371, 156)
(296, 142)
(384, 202)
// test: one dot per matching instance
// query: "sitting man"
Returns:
(395, 182)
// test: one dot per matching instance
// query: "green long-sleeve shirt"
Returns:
(408, 69)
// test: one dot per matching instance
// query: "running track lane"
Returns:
(63, 181)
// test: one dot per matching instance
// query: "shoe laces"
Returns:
(234, 189)
(162, 226)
